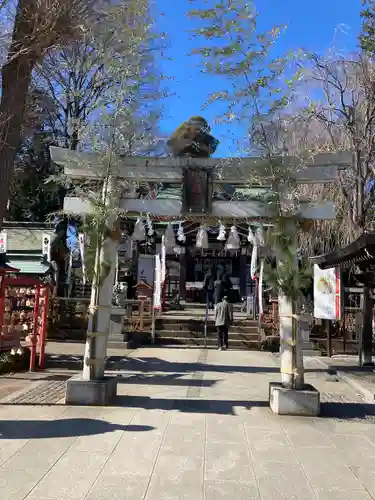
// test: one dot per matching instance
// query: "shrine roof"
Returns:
(360, 250)
(23, 237)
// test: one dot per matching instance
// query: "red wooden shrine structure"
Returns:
(24, 304)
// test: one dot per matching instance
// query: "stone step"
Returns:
(233, 334)
(211, 342)
(199, 327)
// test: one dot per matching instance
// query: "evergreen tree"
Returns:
(367, 36)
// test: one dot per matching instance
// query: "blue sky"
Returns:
(312, 24)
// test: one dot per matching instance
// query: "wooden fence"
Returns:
(344, 333)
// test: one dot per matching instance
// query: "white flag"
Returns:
(81, 242)
(260, 289)
(163, 260)
(157, 283)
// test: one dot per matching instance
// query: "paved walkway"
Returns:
(191, 425)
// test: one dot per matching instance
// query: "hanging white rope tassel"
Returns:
(139, 233)
(202, 238)
(222, 232)
(233, 241)
(251, 236)
(180, 233)
(260, 237)
(150, 229)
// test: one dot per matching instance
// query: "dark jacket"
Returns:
(224, 314)
(218, 291)
(208, 284)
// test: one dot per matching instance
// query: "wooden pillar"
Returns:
(367, 325)
(182, 284)
(243, 262)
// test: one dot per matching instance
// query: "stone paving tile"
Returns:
(194, 442)
(16, 484)
(118, 488)
(228, 490)
(38, 455)
(319, 454)
(186, 487)
(71, 478)
(334, 477)
(366, 477)
(8, 448)
(342, 495)
(276, 489)
(228, 463)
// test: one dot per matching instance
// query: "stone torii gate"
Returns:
(92, 387)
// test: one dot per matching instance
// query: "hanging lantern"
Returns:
(222, 233)
(233, 241)
(202, 238)
(150, 230)
(139, 233)
(180, 234)
(169, 237)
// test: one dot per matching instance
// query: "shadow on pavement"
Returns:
(146, 365)
(219, 407)
(173, 379)
(70, 427)
(347, 411)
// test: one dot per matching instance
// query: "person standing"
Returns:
(223, 320)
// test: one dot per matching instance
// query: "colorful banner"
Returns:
(327, 293)
(3, 242)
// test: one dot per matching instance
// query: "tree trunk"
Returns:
(367, 325)
(16, 76)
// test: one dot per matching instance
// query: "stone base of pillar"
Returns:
(304, 402)
(90, 392)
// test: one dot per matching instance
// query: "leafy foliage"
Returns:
(367, 36)
(31, 199)
(257, 91)
(234, 50)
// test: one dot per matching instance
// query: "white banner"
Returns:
(254, 259)
(46, 246)
(260, 289)
(157, 283)
(3, 242)
(327, 293)
(163, 260)
(81, 242)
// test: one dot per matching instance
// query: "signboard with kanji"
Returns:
(197, 191)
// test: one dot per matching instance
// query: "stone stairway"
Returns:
(187, 328)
